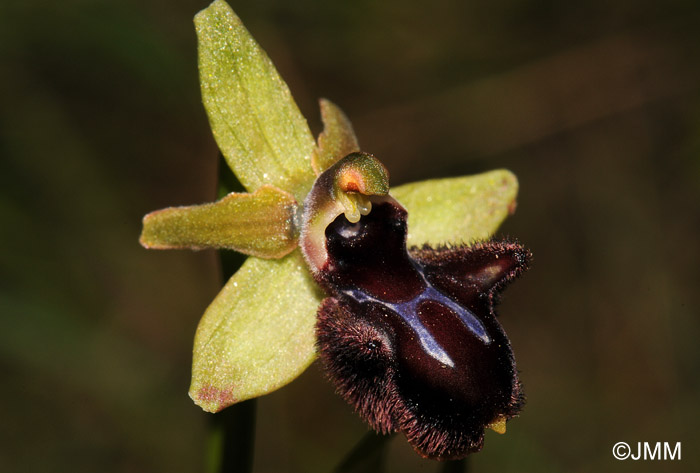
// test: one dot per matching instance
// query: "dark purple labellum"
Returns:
(411, 339)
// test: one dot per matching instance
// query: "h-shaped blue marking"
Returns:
(409, 312)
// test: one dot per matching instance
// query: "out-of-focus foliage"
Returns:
(594, 106)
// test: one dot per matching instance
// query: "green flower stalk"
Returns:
(260, 332)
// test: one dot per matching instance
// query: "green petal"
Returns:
(259, 224)
(255, 121)
(257, 335)
(337, 139)
(461, 209)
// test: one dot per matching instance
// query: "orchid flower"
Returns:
(388, 285)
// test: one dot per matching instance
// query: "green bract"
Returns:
(258, 334)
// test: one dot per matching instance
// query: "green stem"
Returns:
(368, 456)
(232, 431)
(232, 439)
(455, 466)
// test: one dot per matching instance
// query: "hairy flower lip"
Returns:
(410, 337)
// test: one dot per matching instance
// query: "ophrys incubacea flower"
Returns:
(409, 336)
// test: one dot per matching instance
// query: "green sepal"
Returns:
(257, 335)
(259, 224)
(337, 139)
(254, 118)
(457, 210)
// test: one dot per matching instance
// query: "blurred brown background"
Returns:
(595, 106)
